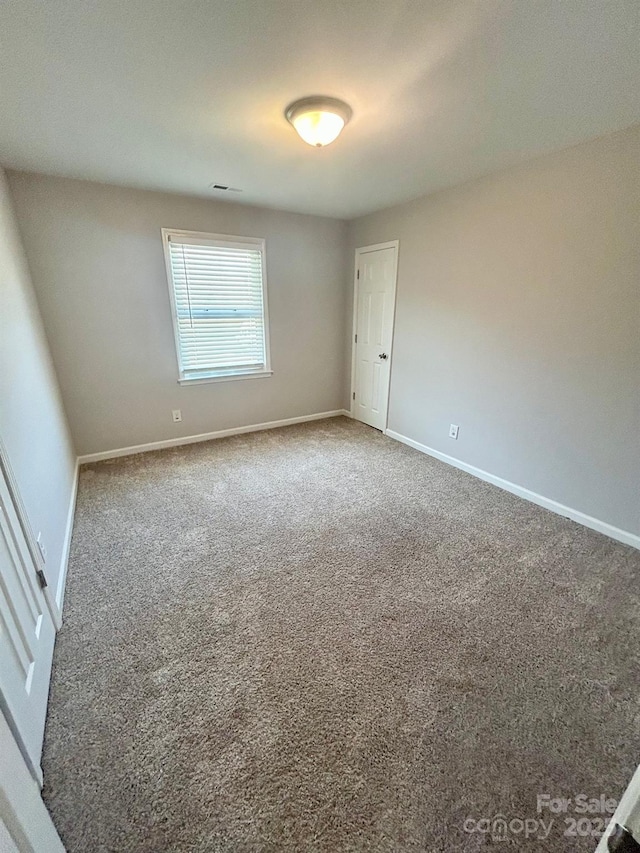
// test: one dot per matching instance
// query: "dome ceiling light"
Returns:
(318, 120)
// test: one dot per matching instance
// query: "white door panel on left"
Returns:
(27, 634)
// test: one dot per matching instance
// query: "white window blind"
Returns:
(217, 287)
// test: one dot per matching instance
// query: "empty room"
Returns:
(319, 426)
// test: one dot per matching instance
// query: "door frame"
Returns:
(363, 250)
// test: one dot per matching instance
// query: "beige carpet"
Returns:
(317, 639)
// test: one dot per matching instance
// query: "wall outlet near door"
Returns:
(453, 431)
(176, 414)
(41, 547)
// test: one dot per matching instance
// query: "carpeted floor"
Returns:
(317, 639)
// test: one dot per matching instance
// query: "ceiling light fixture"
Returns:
(318, 120)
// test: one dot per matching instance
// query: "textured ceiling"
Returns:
(177, 95)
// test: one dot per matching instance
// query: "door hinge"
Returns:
(358, 275)
(354, 395)
(41, 578)
(356, 338)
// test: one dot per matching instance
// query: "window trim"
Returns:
(202, 238)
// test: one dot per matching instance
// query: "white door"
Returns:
(374, 306)
(27, 635)
(25, 824)
(626, 815)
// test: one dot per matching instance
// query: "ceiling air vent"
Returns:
(224, 188)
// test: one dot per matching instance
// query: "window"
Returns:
(218, 295)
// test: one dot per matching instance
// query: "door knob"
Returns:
(383, 356)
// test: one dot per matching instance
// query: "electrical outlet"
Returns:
(176, 415)
(41, 547)
(453, 431)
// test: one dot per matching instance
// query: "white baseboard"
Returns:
(66, 544)
(574, 514)
(206, 436)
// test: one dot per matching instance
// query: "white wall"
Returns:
(32, 422)
(96, 258)
(518, 318)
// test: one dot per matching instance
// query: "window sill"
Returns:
(228, 377)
